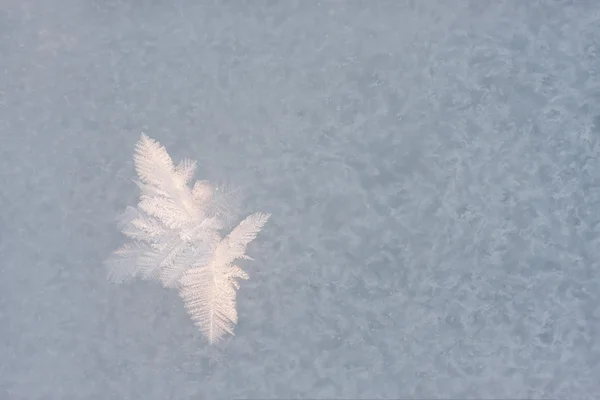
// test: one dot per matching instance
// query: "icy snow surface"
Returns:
(432, 168)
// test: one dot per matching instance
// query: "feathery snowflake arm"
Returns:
(152, 162)
(209, 292)
(164, 188)
(234, 245)
(124, 264)
(209, 295)
(138, 225)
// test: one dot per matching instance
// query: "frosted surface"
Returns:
(432, 168)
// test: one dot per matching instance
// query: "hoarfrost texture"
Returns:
(432, 168)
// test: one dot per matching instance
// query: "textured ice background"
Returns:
(432, 168)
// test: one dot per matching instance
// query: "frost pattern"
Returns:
(175, 237)
(209, 291)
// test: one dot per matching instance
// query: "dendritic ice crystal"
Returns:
(176, 236)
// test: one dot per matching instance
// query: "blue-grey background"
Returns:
(432, 168)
